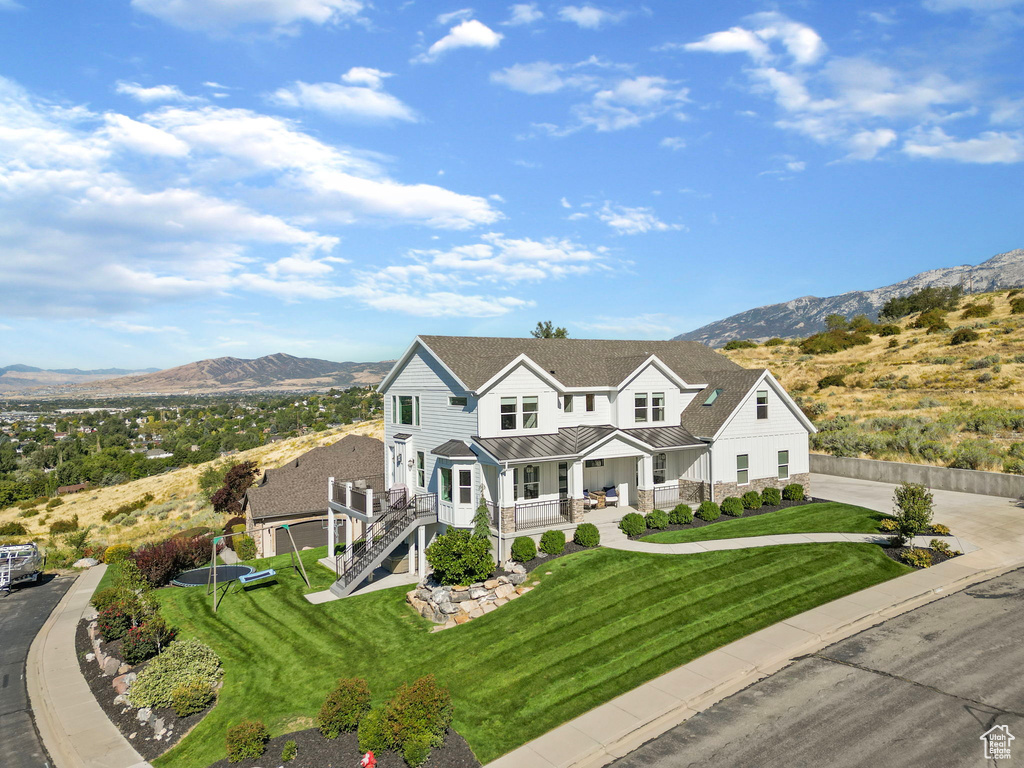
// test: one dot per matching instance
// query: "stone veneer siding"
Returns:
(724, 490)
(577, 511)
(644, 500)
(508, 520)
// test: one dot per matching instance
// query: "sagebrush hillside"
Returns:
(915, 396)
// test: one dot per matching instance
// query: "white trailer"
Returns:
(19, 564)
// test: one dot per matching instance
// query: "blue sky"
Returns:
(182, 179)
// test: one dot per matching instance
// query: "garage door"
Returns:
(309, 534)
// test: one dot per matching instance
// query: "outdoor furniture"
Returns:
(589, 502)
(611, 496)
(597, 496)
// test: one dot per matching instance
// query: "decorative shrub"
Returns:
(422, 708)
(552, 542)
(416, 749)
(160, 562)
(708, 511)
(109, 596)
(888, 525)
(587, 535)
(918, 558)
(751, 500)
(115, 620)
(147, 640)
(963, 336)
(245, 547)
(344, 707)
(523, 549)
(117, 553)
(64, 526)
(656, 519)
(793, 492)
(912, 503)
(681, 515)
(733, 506)
(941, 547)
(191, 697)
(289, 751)
(940, 530)
(248, 739)
(632, 524)
(374, 734)
(458, 557)
(771, 497)
(13, 529)
(184, 661)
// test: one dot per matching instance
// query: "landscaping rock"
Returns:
(121, 684)
(158, 727)
(124, 669)
(476, 613)
(461, 619)
(94, 633)
(469, 606)
(90, 657)
(477, 593)
(491, 584)
(517, 578)
(503, 591)
(448, 608)
(440, 595)
(121, 699)
(110, 665)
(503, 579)
(458, 597)
(144, 715)
(86, 562)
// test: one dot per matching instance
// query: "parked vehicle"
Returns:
(19, 564)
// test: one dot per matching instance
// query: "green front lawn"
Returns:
(602, 623)
(826, 517)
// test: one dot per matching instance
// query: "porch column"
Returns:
(331, 533)
(348, 533)
(576, 490)
(645, 488)
(411, 543)
(506, 501)
(421, 535)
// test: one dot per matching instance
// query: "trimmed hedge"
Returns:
(771, 497)
(732, 506)
(458, 557)
(247, 740)
(656, 519)
(523, 549)
(344, 707)
(681, 515)
(751, 500)
(587, 535)
(632, 524)
(374, 734)
(793, 492)
(191, 697)
(419, 709)
(708, 511)
(552, 542)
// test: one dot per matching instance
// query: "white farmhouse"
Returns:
(541, 431)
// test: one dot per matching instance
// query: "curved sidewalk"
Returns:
(75, 731)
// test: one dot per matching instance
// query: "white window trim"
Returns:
(738, 470)
(421, 469)
(664, 400)
(644, 410)
(778, 459)
(458, 405)
(460, 486)
(758, 405)
(396, 408)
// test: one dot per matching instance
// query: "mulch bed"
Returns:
(139, 735)
(314, 751)
(698, 523)
(571, 547)
(895, 553)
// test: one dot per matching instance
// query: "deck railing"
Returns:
(666, 497)
(538, 514)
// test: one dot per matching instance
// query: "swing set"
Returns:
(248, 578)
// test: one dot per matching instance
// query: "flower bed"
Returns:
(698, 523)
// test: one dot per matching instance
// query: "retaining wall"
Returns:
(937, 478)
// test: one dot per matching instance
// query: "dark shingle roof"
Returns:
(572, 441)
(705, 420)
(453, 448)
(300, 486)
(574, 362)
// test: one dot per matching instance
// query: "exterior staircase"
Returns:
(403, 516)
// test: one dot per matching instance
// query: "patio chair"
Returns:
(589, 502)
(611, 496)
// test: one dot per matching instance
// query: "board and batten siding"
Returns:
(760, 439)
(580, 416)
(519, 382)
(648, 381)
(423, 376)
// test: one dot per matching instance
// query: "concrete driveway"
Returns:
(22, 613)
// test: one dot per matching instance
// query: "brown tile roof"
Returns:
(574, 362)
(300, 486)
(705, 420)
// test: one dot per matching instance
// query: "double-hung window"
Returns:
(742, 469)
(530, 412)
(658, 406)
(531, 481)
(640, 407)
(783, 465)
(660, 468)
(446, 484)
(762, 404)
(421, 469)
(591, 403)
(405, 409)
(508, 412)
(465, 486)
(567, 404)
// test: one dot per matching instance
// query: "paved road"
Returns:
(917, 690)
(22, 613)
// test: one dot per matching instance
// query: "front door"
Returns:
(400, 459)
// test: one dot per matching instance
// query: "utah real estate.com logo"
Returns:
(997, 742)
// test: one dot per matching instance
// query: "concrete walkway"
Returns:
(73, 728)
(995, 528)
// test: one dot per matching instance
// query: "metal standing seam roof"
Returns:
(705, 420)
(574, 362)
(453, 449)
(574, 441)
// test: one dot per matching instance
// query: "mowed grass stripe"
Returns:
(824, 517)
(603, 622)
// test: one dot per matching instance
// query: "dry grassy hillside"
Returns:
(915, 389)
(177, 503)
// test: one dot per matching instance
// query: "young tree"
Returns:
(482, 521)
(836, 322)
(546, 330)
(236, 482)
(912, 505)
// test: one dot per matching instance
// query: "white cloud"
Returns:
(363, 99)
(221, 16)
(630, 102)
(1008, 111)
(989, 147)
(673, 143)
(647, 326)
(565, 203)
(979, 6)
(633, 221)
(460, 15)
(523, 13)
(799, 41)
(129, 327)
(865, 145)
(589, 17)
(141, 137)
(468, 34)
(733, 40)
(153, 94)
(538, 77)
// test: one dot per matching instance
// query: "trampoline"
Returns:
(200, 577)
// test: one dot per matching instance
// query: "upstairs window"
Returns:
(591, 404)
(530, 407)
(508, 413)
(567, 404)
(658, 406)
(465, 486)
(762, 404)
(640, 407)
(742, 469)
(660, 468)
(408, 410)
(458, 402)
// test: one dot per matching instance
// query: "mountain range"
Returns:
(806, 315)
(280, 372)
(18, 377)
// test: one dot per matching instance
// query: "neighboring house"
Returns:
(66, 489)
(530, 427)
(297, 492)
(158, 453)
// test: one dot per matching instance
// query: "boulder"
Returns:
(500, 602)
(503, 579)
(121, 684)
(458, 597)
(90, 656)
(503, 591)
(86, 562)
(517, 578)
(110, 665)
(124, 669)
(459, 589)
(468, 606)
(476, 613)
(448, 608)
(423, 593)
(144, 715)
(158, 727)
(519, 568)
(477, 593)
(491, 584)
(440, 595)
(488, 607)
